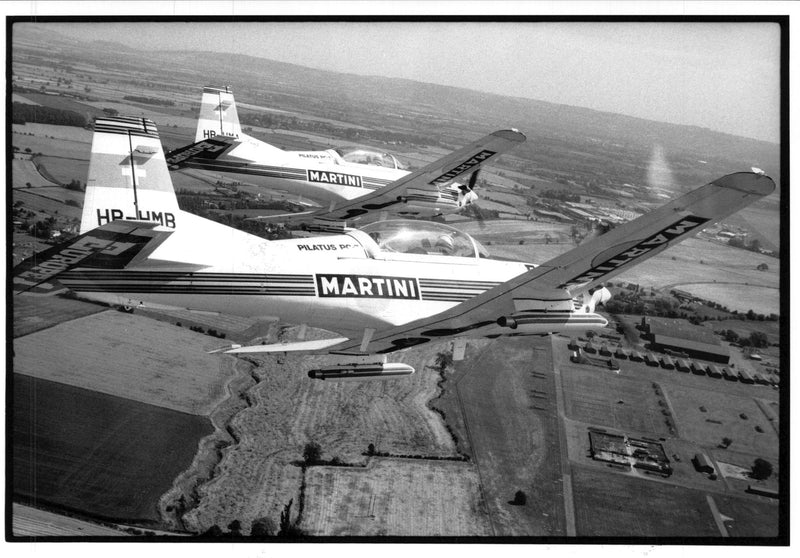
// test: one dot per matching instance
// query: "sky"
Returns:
(722, 76)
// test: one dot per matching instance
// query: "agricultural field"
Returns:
(31, 314)
(30, 522)
(24, 172)
(748, 517)
(608, 504)
(395, 497)
(76, 148)
(505, 397)
(601, 398)
(65, 170)
(127, 356)
(32, 201)
(106, 456)
(259, 475)
(737, 296)
(706, 416)
(694, 260)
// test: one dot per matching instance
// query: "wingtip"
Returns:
(756, 183)
(511, 134)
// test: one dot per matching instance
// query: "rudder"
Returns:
(128, 176)
(218, 114)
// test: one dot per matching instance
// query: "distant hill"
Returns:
(428, 108)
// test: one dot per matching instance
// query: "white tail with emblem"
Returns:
(218, 116)
(128, 177)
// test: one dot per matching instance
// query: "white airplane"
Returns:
(388, 286)
(330, 176)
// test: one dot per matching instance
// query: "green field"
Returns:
(106, 456)
(706, 416)
(509, 422)
(610, 504)
(30, 314)
(600, 397)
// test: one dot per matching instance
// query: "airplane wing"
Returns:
(464, 161)
(210, 148)
(112, 246)
(579, 269)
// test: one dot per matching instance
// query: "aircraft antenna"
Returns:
(133, 171)
(221, 110)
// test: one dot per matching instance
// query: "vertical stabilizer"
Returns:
(218, 114)
(128, 176)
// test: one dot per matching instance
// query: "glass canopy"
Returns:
(424, 237)
(368, 157)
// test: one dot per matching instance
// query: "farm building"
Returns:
(604, 350)
(573, 344)
(761, 491)
(694, 349)
(650, 359)
(683, 296)
(678, 329)
(759, 379)
(682, 365)
(636, 356)
(728, 374)
(702, 463)
(714, 371)
(621, 353)
(697, 368)
(667, 363)
(589, 348)
(745, 377)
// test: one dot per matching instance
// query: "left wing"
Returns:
(464, 161)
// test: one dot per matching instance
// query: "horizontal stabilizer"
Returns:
(115, 245)
(210, 148)
(298, 346)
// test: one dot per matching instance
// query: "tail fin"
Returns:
(128, 176)
(218, 114)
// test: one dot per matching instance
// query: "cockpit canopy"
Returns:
(424, 237)
(368, 157)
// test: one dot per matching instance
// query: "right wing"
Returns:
(427, 180)
(578, 270)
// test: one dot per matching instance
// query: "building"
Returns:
(728, 374)
(698, 369)
(693, 349)
(761, 491)
(682, 365)
(745, 377)
(702, 463)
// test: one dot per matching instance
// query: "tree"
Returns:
(371, 449)
(312, 453)
(262, 527)
(726, 442)
(213, 531)
(235, 527)
(520, 499)
(443, 360)
(759, 339)
(762, 267)
(762, 469)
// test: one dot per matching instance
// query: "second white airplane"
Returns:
(330, 176)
